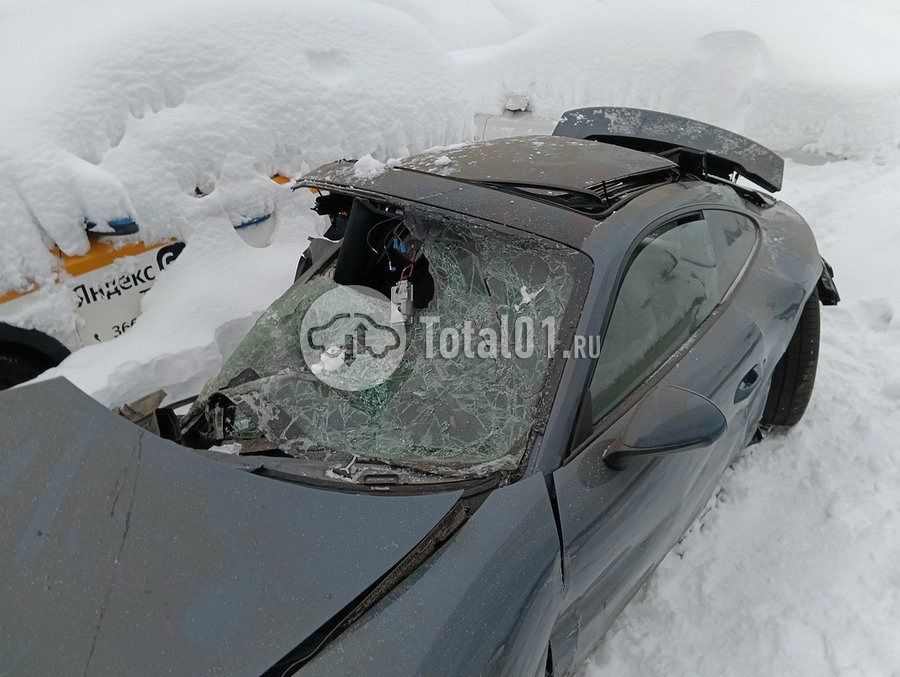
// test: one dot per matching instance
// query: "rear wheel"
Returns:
(18, 366)
(795, 373)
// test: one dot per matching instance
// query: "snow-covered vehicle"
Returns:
(107, 283)
(474, 512)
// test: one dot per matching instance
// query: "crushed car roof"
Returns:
(465, 179)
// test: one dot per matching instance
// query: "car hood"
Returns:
(122, 552)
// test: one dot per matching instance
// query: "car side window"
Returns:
(734, 236)
(670, 288)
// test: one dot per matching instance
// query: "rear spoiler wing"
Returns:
(722, 153)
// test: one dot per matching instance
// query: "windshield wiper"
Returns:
(369, 474)
(375, 473)
(351, 473)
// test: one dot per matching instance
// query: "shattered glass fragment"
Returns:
(451, 414)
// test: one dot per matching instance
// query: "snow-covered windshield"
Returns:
(439, 411)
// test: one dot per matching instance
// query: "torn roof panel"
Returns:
(409, 189)
(459, 179)
(553, 161)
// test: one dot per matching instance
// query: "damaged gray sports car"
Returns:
(471, 511)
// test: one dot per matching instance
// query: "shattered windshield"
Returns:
(440, 411)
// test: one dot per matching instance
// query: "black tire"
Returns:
(795, 373)
(18, 366)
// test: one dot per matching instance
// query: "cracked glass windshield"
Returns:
(452, 405)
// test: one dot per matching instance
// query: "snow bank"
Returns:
(791, 76)
(116, 109)
(195, 314)
(122, 109)
(476, 23)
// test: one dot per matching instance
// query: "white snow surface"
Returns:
(122, 108)
(118, 109)
(791, 76)
(368, 167)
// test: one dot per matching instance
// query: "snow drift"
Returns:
(788, 76)
(123, 109)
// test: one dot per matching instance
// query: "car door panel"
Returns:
(717, 364)
(618, 524)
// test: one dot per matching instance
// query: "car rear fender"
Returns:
(785, 270)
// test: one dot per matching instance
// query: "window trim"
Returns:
(656, 228)
(757, 238)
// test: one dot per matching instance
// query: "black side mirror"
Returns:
(669, 419)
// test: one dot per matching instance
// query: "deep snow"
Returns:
(112, 107)
(118, 109)
(784, 74)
